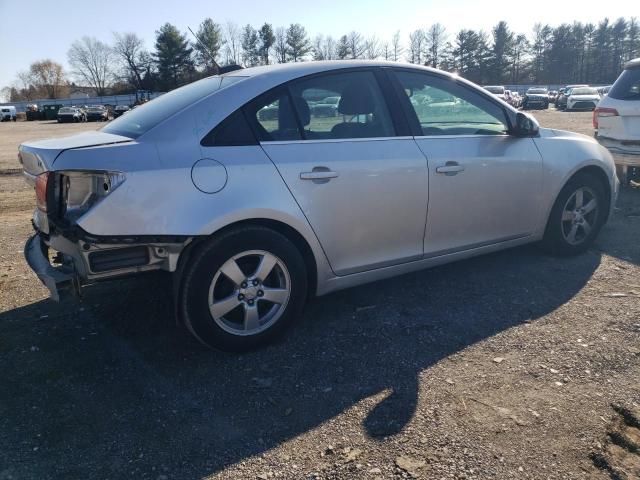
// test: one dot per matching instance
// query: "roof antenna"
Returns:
(204, 47)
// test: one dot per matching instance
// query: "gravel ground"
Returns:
(512, 365)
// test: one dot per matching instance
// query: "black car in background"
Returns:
(120, 110)
(536, 98)
(97, 113)
(71, 114)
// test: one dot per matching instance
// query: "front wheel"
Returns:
(242, 289)
(576, 217)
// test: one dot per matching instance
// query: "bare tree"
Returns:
(372, 48)
(396, 47)
(317, 47)
(329, 48)
(356, 45)
(280, 45)
(92, 61)
(436, 38)
(130, 49)
(233, 43)
(385, 51)
(416, 42)
(324, 48)
(48, 77)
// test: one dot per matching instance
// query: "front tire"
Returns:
(242, 289)
(576, 217)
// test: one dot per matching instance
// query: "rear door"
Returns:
(485, 186)
(362, 187)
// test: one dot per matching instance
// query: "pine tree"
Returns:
(342, 49)
(173, 57)
(210, 41)
(267, 39)
(297, 42)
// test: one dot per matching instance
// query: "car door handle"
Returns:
(318, 175)
(451, 168)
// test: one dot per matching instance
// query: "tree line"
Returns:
(567, 53)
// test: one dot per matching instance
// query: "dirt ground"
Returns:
(512, 365)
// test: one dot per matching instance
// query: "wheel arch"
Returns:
(293, 235)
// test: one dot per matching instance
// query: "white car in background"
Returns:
(497, 90)
(582, 98)
(617, 122)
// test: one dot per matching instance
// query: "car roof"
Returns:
(300, 69)
(635, 63)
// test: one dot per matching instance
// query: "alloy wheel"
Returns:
(249, 293)
(579, 215)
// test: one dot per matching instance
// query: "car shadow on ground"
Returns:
(113, 386)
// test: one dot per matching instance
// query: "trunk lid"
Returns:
(38, 156)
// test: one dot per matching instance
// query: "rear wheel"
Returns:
(576, 217)
(243, 289)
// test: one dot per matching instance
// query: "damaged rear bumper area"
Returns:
(65, 266)
(58, 279)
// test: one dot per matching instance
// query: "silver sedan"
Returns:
(255, 200)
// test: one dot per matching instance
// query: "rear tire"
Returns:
(576, 217)
(242, 289)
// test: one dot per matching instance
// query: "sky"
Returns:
(38, 29)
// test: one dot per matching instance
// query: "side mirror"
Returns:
(526, 125)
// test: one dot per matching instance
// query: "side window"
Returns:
(232, 131)
(446, 108)
(341, 105)
(273, 117)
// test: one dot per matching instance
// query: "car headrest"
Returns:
(356, 100)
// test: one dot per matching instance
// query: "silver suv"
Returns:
(254, 200)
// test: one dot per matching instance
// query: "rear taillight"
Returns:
(603, 112)
(42, 181)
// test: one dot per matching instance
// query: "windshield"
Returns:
(145, 117)
(94, 109)
(66, 110)
(496, 90)
(627, 86)
(539, 91)
(584, 91)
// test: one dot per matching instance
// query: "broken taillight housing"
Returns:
(603, 112)
(41, 184)
(80, 190)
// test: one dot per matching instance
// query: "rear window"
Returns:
(145, 117)
(584, 91)
(627, 86)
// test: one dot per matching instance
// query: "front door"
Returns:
(485, 186)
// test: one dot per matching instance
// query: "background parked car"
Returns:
(617, 122)
(8, 113)
(326, 108)
(536, 98)
(71, 114)
(97, 113)
(561, 102)
(582, 98)
(497, 90)
(120, 110)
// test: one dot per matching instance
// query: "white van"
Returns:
(7, 113)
